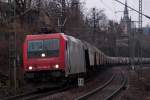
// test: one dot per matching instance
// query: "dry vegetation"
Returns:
(29, 16)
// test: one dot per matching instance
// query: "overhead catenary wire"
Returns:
(133, 9)
(108, 7)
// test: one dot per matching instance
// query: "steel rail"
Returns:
(42, 95)
(35, 94)
(119, 89)
(20, 95)
(83, 97)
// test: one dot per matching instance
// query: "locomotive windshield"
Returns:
(50, 48)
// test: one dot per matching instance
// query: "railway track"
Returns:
(105, 91)
(35, 94)
(108, 90)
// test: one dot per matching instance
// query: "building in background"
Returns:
(125, 22)
(122, 42)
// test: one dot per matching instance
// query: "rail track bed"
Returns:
(138, 85)
(38, 92)
(107, 82)
(107, 90)
(71, 94)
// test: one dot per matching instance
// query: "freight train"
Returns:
(48, 56)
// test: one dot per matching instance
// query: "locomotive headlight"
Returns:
(30, 67)
(57, 66)
(43, 55)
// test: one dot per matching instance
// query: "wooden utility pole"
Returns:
(63, 16)
(39, 6)
(94, 23)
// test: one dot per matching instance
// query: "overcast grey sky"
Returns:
(111, 6)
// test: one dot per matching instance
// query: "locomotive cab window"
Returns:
(50, 48)
(35, 45)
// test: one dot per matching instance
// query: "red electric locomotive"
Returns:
(47, 56)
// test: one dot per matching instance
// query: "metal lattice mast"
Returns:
(140, 15)
(140, 40)
(12, 55)
(140, 31)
